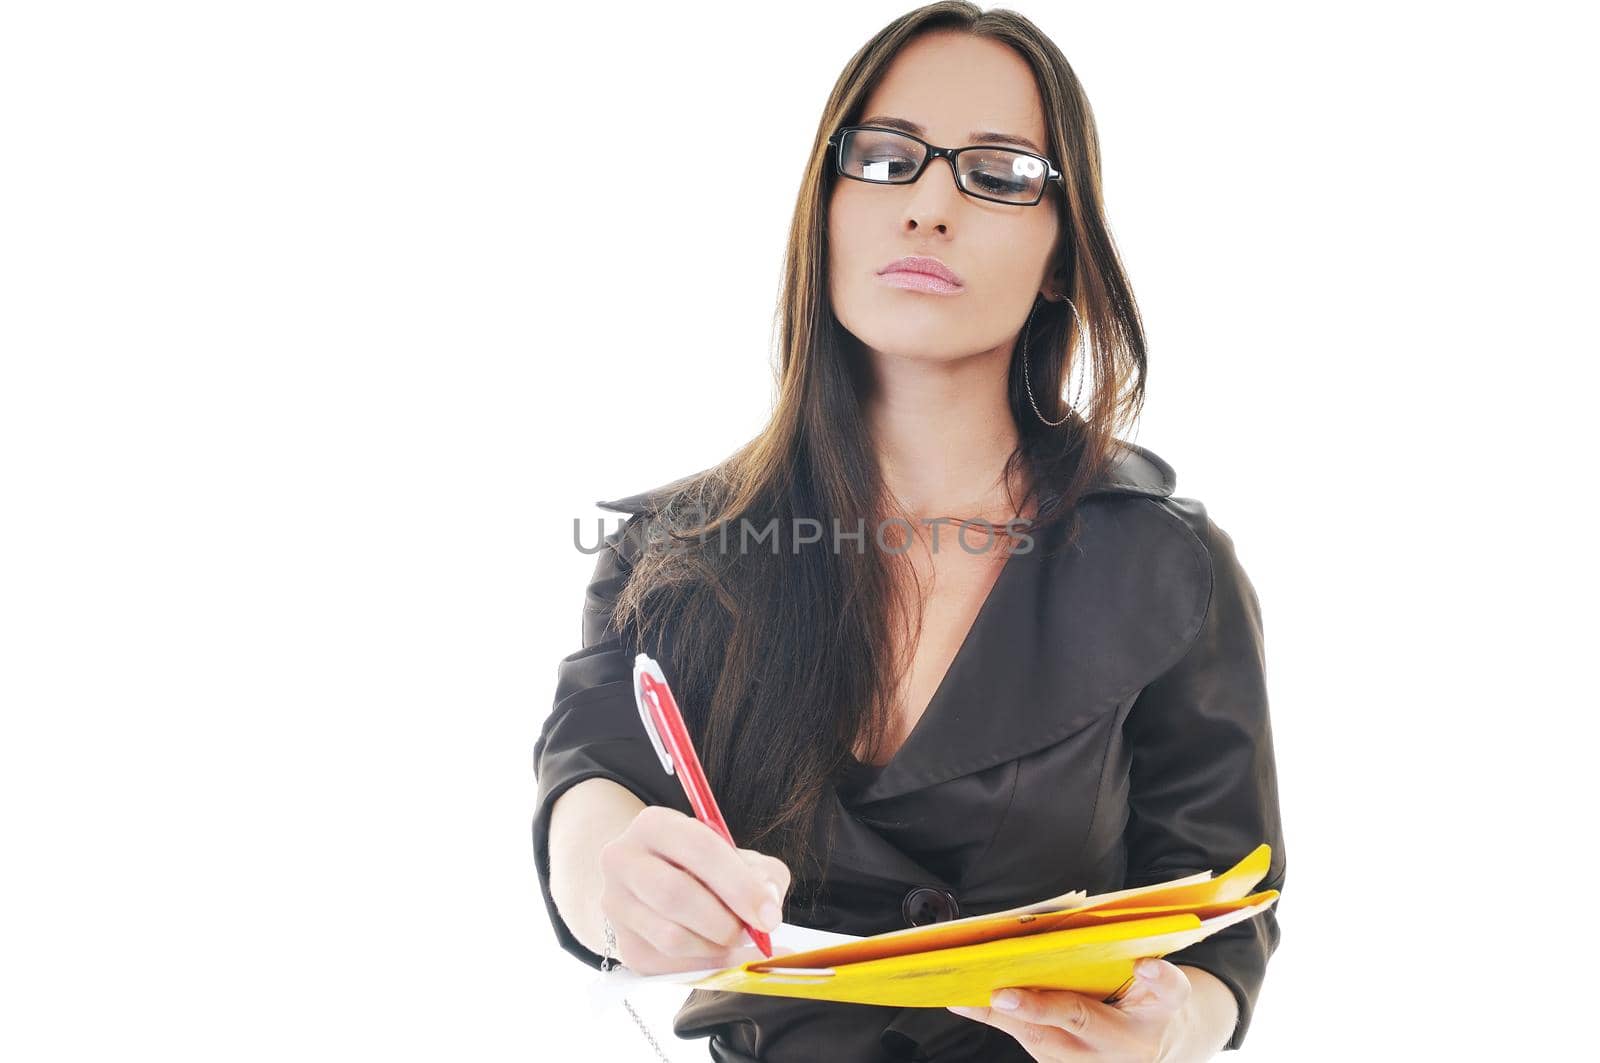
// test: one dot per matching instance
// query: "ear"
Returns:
(1054, 289)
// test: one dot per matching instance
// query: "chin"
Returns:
(935, 350)
(908, 330)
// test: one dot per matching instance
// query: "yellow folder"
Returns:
(1083, 943)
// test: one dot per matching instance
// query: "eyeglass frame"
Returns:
(951, 155)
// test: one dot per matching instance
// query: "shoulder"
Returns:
(641, 510)
(1140, 486)
(1137, 471)
(651, 499)
(1133, 589)
(1136, 509)
(1160, 563)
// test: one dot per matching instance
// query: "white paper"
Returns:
(609, 988)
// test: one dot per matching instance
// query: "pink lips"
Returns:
(923, 274)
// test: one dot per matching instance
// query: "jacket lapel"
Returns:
(1062, 639)
(1066, 637)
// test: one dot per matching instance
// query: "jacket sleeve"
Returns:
(1203, 785)
(594, 730)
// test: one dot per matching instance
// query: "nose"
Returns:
(933, 195)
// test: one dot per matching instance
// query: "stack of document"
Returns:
(1088, 944)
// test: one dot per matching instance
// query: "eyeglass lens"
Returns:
(995, 173)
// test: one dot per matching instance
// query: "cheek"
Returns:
(1020, 262)
(849, 221)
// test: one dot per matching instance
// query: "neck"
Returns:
(942, 432)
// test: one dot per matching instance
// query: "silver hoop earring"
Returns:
(1072, 406)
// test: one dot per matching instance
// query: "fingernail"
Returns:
(1149, 969)
(1005, 1000)
(771, 916)
(777, 894)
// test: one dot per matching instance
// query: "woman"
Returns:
(903, 723)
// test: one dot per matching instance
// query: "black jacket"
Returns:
(1103, 725)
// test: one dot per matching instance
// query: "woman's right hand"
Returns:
(675, 891)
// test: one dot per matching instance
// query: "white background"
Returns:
(314, 346)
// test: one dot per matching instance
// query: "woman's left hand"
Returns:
(1059, 1024)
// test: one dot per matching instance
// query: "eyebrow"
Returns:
(981, 136)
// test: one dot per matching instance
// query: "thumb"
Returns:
(1158, 986)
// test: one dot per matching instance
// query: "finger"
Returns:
(1041, 1041)
(1086, 1019)
(704, 853)
(775, 870)
(666, 937)
(679, 897)
(640, 956)
(646, 878)
(762, 866)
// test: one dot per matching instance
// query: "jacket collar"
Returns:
(1137, 471)
(1103, 620)
(1133, 471)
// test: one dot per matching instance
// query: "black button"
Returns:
(929, 904)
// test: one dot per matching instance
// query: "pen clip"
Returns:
(644, 665)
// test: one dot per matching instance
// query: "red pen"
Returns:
(664, 724)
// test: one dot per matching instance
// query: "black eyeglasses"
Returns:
(881, 156)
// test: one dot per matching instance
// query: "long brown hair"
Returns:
(783, 660)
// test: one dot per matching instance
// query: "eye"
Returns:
(997, 184)
(886, 166)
